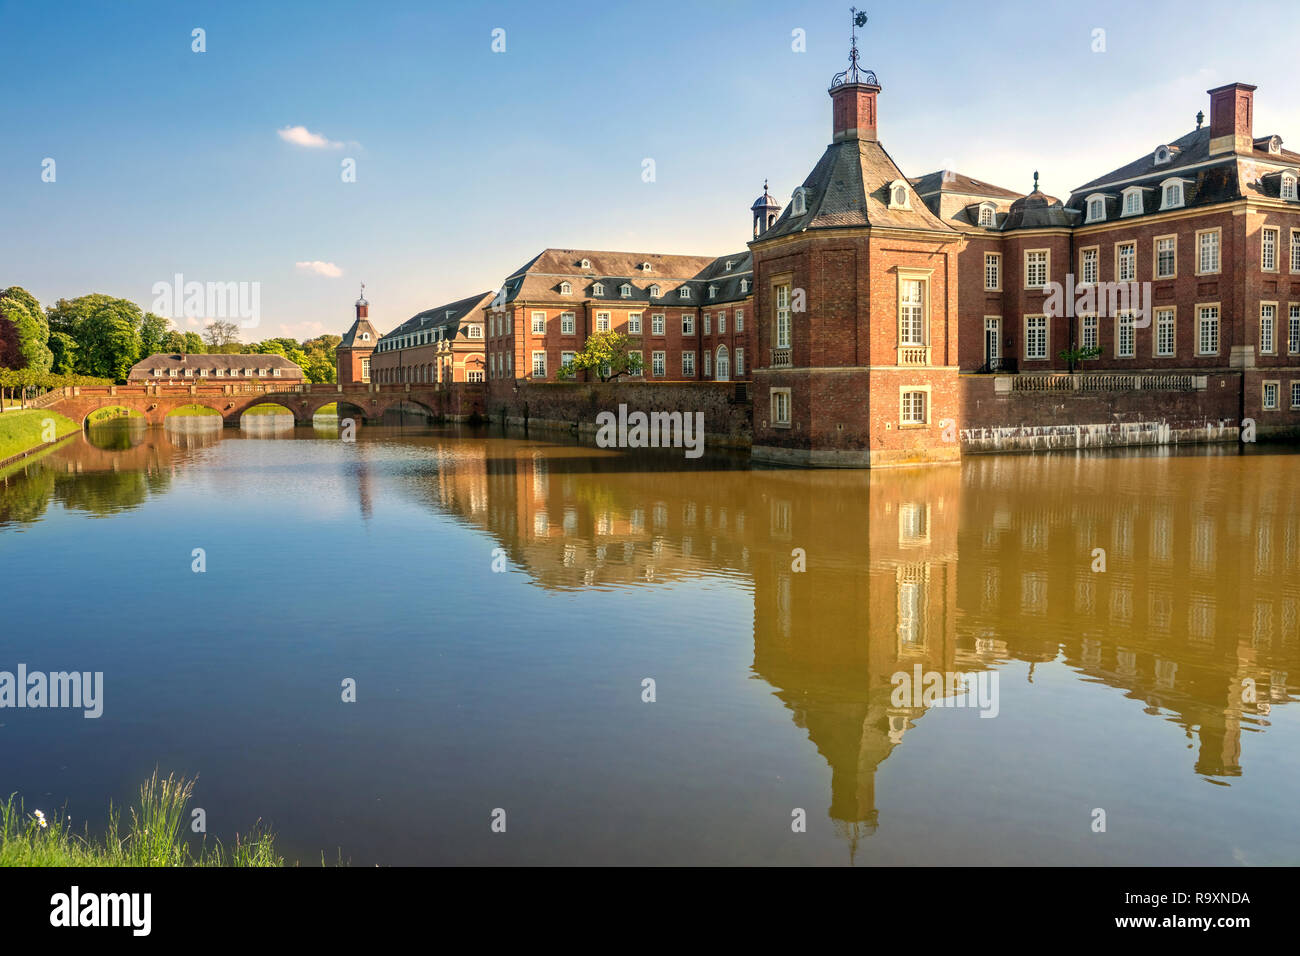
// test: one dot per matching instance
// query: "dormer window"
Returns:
(1161, 155)
(1132, 201)
(654, 292)
(685, 292)
(585, 264)
(730, 263)
(713, 290)
(365, 336)
(798, 203)
(1096, 209)
(987, 215)
(1288, 187)
(598, 289)
(645, 267)
(625, 291)
(744, 286)
(1171, 194)
(898, 197)
(1275, 144)
(566, 289)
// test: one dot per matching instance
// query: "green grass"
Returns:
(192, 411)
(326, 411)
(154, 836)
(268, 409)
(24, 430)
(112, 413)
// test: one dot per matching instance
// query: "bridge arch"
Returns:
(110, 413)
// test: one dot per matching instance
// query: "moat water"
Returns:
(1155, 680)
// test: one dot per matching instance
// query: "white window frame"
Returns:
(1161, 327)
(722, 322)
(1167, 189)
(688, 364)
(739, 363)
(688, 323)
(1268, 328)
(1204, 322)
(1089, 255)
(634, 323)
(602, 321)
(1216, 246)
(568, 323)
(1155, 256)
(658, 364)
(1131, 208)
(1269, 237)
(779, 402)
(1287, 187)
(1047, 337)
(1276, 386)
(1126, 271)
(1125, 334)
(539, 323)
(740, 321)
(993, 267)
(1046, 268)
(906, 392)
(781, 339)
(1293, 328)
(658, 322)
(1096, 208)
(566, 288)
(539, 354)
(988, 215)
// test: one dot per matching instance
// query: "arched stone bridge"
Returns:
(456, 401)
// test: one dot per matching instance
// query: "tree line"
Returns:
(98, 338)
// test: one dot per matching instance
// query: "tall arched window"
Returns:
(723, 364)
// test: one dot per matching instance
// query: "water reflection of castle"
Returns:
(1195, 600)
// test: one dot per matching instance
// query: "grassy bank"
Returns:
(328, 411)
(23, 430)
(268, 410)
(112, 413)
(154, 836)
(192, 411)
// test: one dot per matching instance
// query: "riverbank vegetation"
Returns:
(112, 413)
(154, 835)
(268, 409)
(102, 337)
(24, 430)
(192, 411)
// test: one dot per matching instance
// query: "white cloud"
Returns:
(316, 267)
(302, 136)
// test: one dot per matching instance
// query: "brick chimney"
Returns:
(853, 108)
(1232, 117)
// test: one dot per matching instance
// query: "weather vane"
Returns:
(853, 74)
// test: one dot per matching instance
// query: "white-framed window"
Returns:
(221, 371)
(657, 364)
(911, 311)
(1037, 268)
(798, 202)
(474, 375)
(646, 267)
(740, 363)
(566, 288)
(203, 373)
(1088, 260)
(722, 323)
(539, 365)
(568, 323)
(157, 373)
(992, 272)
(1295, 250)
(1035, 337)
(1268, 250)
(1161, 155)
(782, 317)
(780, 398)
(1271, 393)
(1126, 262)
(474, 331)
(598, 289)
(744, 286)
(1207, 330)
(1165, 333)
(740, 320)
(636, 355)
(1132, 201)
(1288, 189)
(987, 215)
(566, 358)
(365, 336)
(1096, 209)
(539, 323)
(898, 198)
(656, 323)
(1295, 394)
(1125, 337)
(625, 291)
(602, 321)
(688, 364)
(654, 292)
(1293, 329)
(913, 408)
(688, 323)
(708, 364)
(1166, 257)
(1207, 248)
(1267, 328)
(713, 291)
(634, 323)
(1171, 194)
(585, 264)
(685, 292)
(708, 323)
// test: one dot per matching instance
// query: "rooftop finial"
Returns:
(1200, 118)
(852, 74)
(1035, 180)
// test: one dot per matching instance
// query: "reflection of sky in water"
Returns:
(1119, 689)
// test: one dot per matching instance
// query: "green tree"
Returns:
(1076, 354)
(606, 354)
(20, 307)
(173, 341)
(109, 338)
(153, 329)
(64, 348)
(193, 343)
(220, 335)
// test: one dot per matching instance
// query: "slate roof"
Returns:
(358, 326)
(448, 317)
(539, 279)
(238, 361)
(950, 181)
(1038, 211)
(849, 186)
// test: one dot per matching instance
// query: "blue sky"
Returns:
(469, 162)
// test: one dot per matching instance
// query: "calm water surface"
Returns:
(522, 690)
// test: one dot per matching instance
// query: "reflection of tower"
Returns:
(363, 487)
